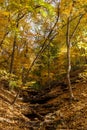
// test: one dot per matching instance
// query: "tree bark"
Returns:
(15, 99)
(12, 56)
(13, 51)
(68, 57)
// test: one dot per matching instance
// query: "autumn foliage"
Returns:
(41, 40)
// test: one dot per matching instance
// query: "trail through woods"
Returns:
(43, 65)
(46, 110)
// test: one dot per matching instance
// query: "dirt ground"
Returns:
(45, 110)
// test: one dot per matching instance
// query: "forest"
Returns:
(43, 64)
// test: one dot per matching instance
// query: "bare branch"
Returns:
(72, 35)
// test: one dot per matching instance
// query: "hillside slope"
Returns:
(45, 110)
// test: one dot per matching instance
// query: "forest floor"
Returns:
(45, 110)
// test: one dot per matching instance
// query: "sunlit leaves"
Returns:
(31, 21)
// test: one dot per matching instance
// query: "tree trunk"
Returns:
(68, 71)
(12, 56)
(13, 51)
(15, 99)
(69, 58)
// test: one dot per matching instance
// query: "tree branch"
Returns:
(43, 45)
(72, 35)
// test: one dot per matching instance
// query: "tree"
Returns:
(28, 29)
